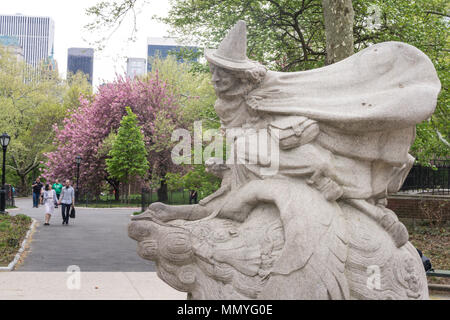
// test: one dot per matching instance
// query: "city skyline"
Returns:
(70, 19)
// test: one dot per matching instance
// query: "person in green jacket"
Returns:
(57, 187)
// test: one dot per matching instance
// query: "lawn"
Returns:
(434, 242)
(12, 232)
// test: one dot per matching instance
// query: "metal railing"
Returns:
(174, 197)
(432, 180)
(10, 196)
(143, 200)
(108, 200)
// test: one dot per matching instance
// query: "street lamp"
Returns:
(4, 141)
(78, 161)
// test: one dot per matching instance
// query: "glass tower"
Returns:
(81, 59)
(34, 34)
(162, 47)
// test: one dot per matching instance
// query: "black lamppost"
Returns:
(78, 161)
(4, 141)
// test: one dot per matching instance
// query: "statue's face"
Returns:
(222, 79)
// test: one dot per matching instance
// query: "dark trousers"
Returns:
(36, 197)
(57, 197)
(193, 199)
(65, 211)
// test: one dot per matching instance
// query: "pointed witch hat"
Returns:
(232, 51)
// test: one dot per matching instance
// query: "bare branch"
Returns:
(438, 13)
(442, 139)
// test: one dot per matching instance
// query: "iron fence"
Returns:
(10, 196)
(433, 180)
(143, 199)
(174, 197)
(107, 200)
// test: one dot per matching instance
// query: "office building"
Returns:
(35, 35)
(136, 67)
(162, 47)
(81, 59)
(13, 46)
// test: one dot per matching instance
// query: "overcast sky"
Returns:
(69, 17)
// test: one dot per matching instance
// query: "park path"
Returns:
(96, 241)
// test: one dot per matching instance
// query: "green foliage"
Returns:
(174, 181)
(32, 101)
(194, 91)
(197, 179)
(128, 156)
(77, 85)
(106, 145)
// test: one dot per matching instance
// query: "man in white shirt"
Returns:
(67, 199)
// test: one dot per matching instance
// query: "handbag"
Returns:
(72, 212)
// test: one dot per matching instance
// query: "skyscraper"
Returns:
(12, 45)
(81, 59)
(136, 67)
(162, 47)
(34, 34)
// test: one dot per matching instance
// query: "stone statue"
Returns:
(317, 226)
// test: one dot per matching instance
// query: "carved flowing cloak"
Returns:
(367, 105)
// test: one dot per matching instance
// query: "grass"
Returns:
(434, 242)
(12, 232)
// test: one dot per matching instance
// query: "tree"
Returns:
(195, 96)
(30, 107)
(193, 90)
(128, 155)
(338, 21)
(88, 130)
(198, 179)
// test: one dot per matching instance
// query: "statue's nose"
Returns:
(215, 77)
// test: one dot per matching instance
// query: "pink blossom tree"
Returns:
(88, 130)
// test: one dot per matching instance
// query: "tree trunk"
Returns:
(338, 18)
(116, 187)
(116, 193)
(129, 192)
(162, 191)
(23, 189)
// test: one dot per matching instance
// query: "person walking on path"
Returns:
(193, 196)
(67, 200)
(57, 187)
(50, 199)
(37, 189)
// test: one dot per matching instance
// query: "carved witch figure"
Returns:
(306, 219)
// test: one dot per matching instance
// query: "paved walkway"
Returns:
(96, 240)
(85, 286)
